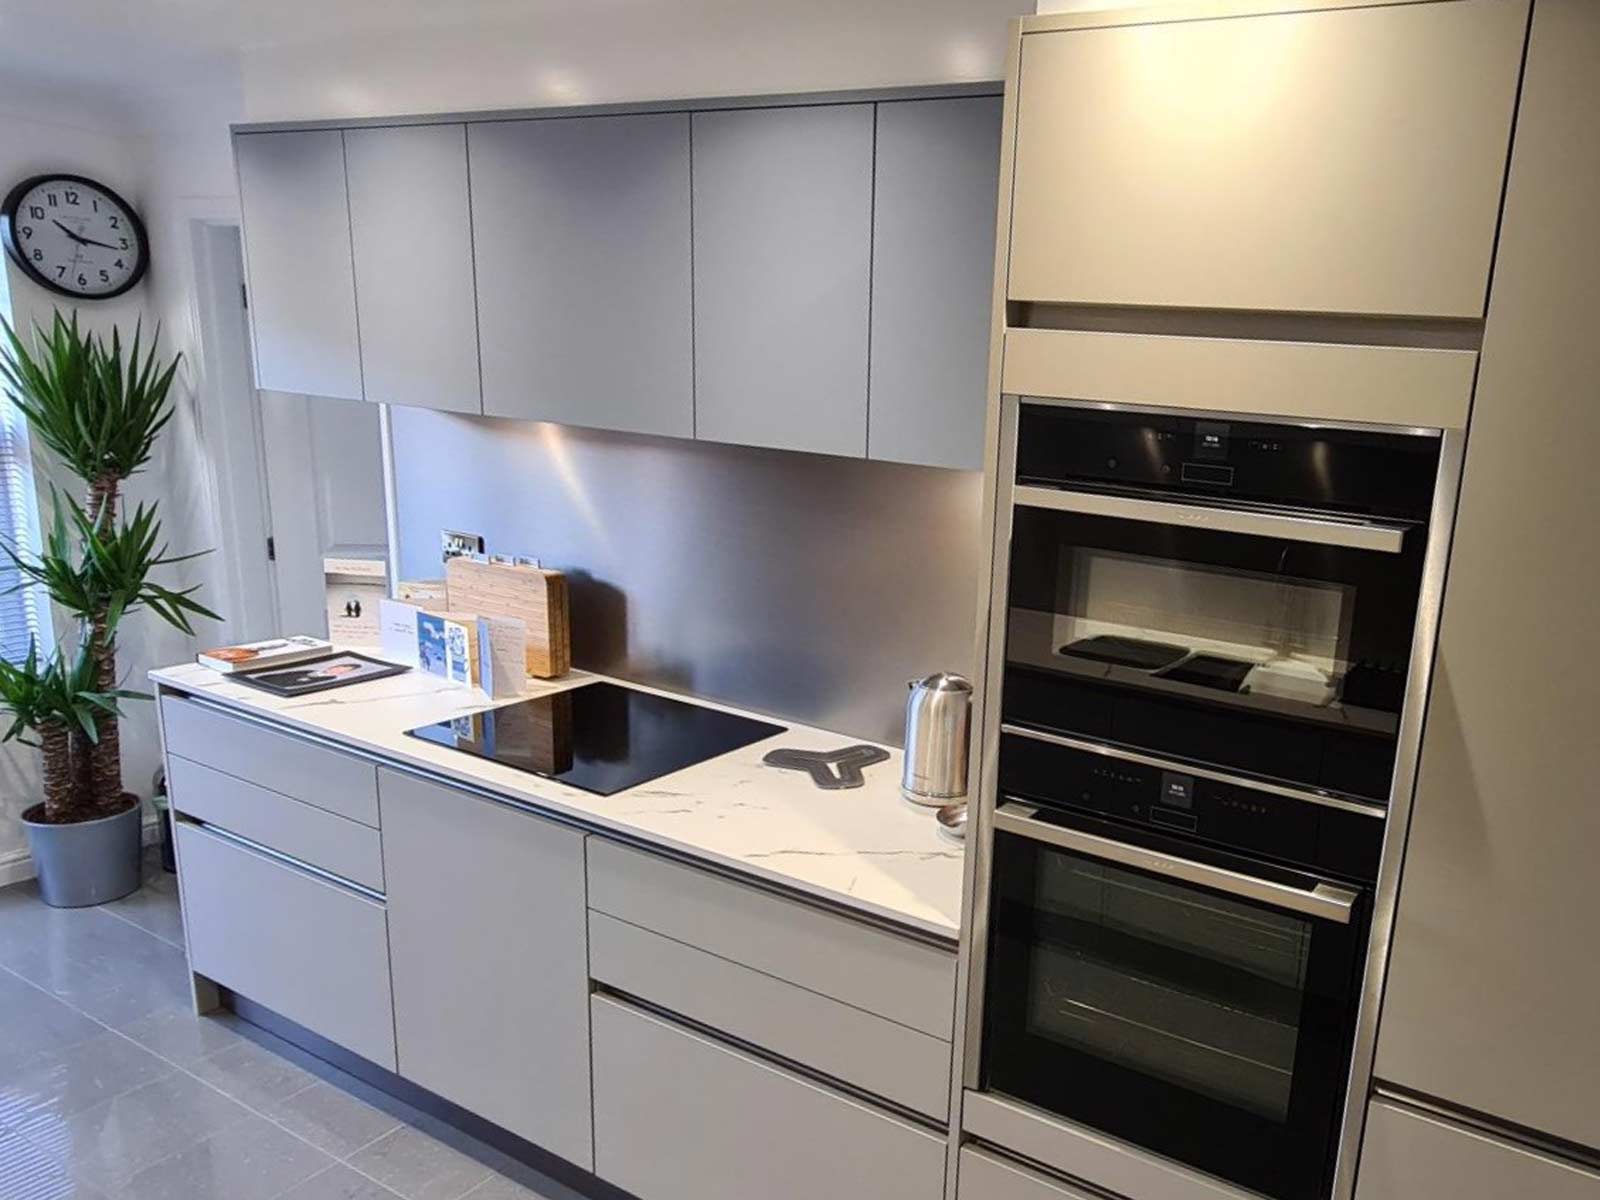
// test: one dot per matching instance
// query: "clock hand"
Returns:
(92, 242)
(75, 237)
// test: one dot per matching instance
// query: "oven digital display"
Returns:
(1177, 791)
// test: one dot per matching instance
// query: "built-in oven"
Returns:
(1209, 632)
(1194, 1002)
(1232, 593)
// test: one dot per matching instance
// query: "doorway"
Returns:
(297, 478)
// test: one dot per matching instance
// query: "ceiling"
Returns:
(291, 58)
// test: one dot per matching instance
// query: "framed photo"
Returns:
(318, 675)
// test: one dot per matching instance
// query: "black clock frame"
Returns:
(8, 212)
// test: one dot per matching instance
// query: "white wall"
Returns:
(44, 130)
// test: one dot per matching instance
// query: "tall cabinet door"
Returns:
(1348, 160)
(937, 179)
(412, 236)
(1490, 1002)
(488, 951)
(297, 251)
(782, 267)
(581, 238)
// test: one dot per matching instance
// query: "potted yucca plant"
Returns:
(98, 406)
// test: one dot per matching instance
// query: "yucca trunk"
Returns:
(102, 774)
(101, 502)
(105, 753)
(61, 799)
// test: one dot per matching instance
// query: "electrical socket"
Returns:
(455, 544)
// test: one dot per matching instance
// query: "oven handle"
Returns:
(1325, 901)
(1322, 531)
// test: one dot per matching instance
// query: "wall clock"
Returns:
(74, 235)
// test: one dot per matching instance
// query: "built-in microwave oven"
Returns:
(1231, 593)
(1209, 635)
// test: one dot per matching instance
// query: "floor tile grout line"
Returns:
(334, 1166)
(367, 1145)
(145, 930)
(184, 1069)
(179, 1068)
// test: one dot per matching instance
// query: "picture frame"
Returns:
(321, 674)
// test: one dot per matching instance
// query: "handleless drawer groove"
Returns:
(902, 979)
(310, 949)
(280, 762)
(900, 1064)
(323, 839)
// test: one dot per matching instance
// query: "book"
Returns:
(257, 656)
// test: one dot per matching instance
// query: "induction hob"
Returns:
(600, 737)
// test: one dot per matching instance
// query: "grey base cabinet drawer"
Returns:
(681, 1117)
(986, 1176)
(1408, 1155)
(311, 950)
(894, 976)
(279, 762)
(903, 1065)
(314, 835)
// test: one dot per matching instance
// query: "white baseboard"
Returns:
(17, 865)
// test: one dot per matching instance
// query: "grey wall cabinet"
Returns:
(1408, 1155)
(937, 182)
(1490, 1002)
(801, 277)
(411, 233)
(297, 251)
(782, 265)
(487, 944)
(581, 236)
(1347, 160)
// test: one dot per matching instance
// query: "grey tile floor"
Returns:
(111, 1088)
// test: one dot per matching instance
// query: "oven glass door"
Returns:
(1178, 1004)
(1267, 642)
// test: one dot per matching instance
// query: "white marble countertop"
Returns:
(865, 848)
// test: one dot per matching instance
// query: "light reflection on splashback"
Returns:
(804, 586)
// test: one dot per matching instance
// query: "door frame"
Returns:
(229, 419)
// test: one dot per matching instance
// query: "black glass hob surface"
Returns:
(600, 737)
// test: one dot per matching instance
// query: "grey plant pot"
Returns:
(89, 862)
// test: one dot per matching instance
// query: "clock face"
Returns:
(74, 235)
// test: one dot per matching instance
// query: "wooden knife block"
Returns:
(537, 598)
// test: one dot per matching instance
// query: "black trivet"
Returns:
(830, 769)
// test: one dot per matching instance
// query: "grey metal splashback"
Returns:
(799, 585)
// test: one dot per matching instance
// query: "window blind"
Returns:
(19, 524)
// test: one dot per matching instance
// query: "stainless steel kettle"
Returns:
(938, 718)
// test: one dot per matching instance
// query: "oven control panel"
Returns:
(1230, 815)
(1299, 465)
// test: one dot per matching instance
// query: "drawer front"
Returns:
(908, 981)
(986, 1176)
(900, 1064)
(313, 835)
(1407, 1154)
(313, 951)
(487, 936)
(280, 762)
(680, 1117)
